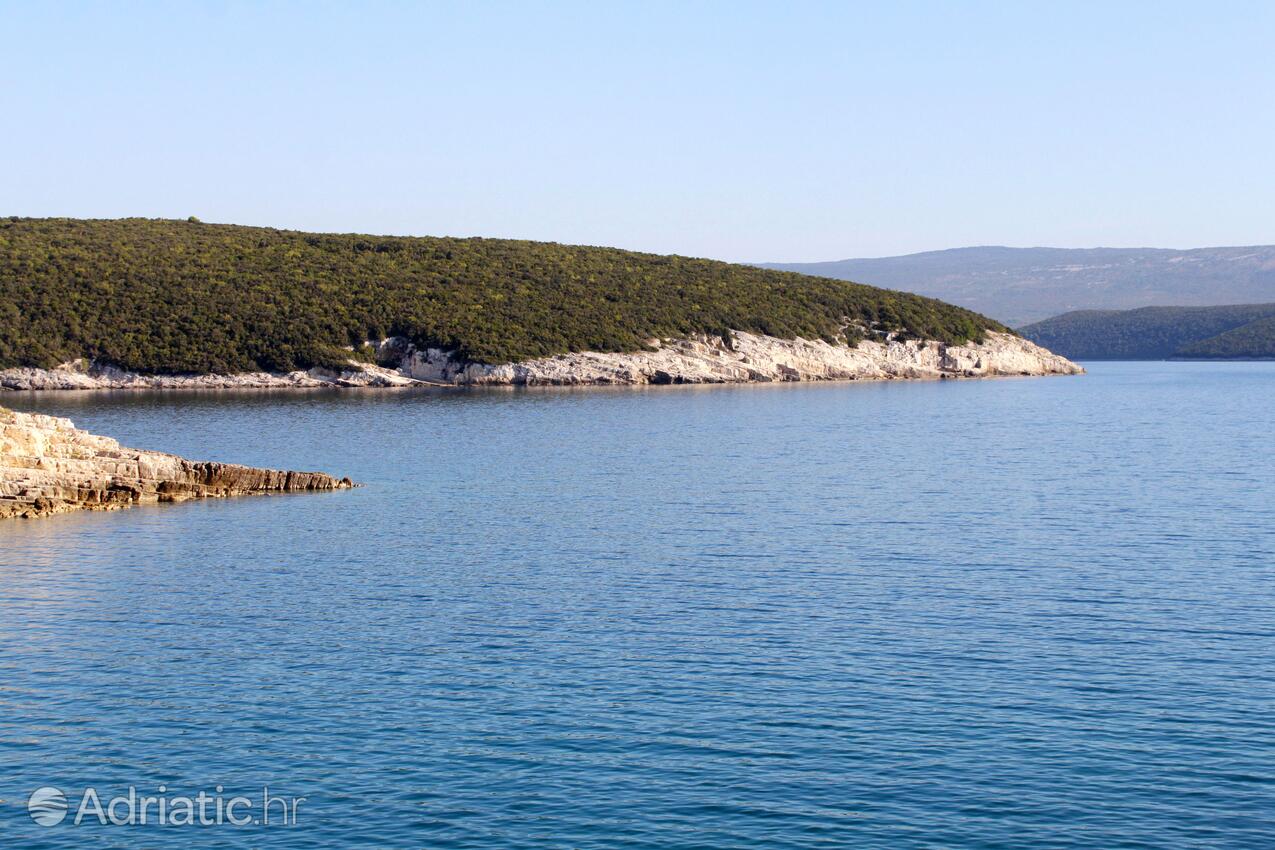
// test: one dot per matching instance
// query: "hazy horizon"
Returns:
(990, 245)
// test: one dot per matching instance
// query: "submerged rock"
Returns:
(49, 466)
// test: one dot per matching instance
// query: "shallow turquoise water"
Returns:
(989, 614)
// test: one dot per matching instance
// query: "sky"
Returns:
(780, 131)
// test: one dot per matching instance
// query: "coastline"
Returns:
(48, 466)
(702, 359)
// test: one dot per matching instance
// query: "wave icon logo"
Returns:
(47, 806)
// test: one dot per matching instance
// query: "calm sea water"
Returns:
(992, 614)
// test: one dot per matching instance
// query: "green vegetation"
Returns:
(1255, 340)
(1159, 333)
(166, 296)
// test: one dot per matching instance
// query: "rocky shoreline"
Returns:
(48, 466)
(696, 360)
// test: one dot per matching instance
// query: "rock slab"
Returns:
(48, 466)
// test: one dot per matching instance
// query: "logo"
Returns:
(47, 806)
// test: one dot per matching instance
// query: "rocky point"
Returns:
(49, 466)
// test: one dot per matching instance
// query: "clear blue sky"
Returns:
(745, 131)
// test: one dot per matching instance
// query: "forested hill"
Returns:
(1159, 333)
(183, 296)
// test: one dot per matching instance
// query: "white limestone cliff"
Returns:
(698, 360)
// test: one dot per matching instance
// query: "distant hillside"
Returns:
(1253, 340)
(1021, 285)
(1159, 333)
(160, 296)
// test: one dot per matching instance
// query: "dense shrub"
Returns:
(1255, 340)
(184, 296)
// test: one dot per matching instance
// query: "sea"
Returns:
(1008, 613)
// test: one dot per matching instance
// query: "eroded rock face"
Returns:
(49, 466)
(697, 360)
(753, 357)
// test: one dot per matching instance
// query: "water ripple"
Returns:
(957, 615)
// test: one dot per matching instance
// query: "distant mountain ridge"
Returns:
(1023, 285)
(1245, 331)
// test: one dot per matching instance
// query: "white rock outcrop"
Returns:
(87, 375)
(697, 360)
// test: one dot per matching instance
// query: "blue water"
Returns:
(983, 614)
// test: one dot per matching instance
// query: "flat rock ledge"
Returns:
(48, 466)
(696, 360)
